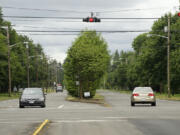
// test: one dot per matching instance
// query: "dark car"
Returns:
(32, 97)
(59, 89)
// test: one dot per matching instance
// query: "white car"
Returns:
(143, 95)
(59, 89)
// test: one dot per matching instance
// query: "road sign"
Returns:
(86, 94)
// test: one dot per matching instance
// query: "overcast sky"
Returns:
(56, 45)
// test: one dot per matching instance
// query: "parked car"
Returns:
(143, 95)
(59, 89)
(32, 97)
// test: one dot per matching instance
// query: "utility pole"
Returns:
(168, 60)
(9, 61)
(37, 68)
(47, 68)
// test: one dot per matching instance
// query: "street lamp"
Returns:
(27, 52)
(168, 54)
(150, 35)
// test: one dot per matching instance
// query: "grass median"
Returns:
(97, 99)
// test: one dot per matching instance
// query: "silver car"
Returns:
(143, 95)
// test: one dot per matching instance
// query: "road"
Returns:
(73, 118)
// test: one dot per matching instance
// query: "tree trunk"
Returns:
(161, 88)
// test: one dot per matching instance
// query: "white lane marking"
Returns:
(115, 117)
(61, 106)
(13, 122)
(85, 121)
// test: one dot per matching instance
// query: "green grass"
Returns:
(49, 90)
(5, 96)
(98, 97)
(163, 96)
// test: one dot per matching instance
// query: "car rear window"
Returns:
(32, 92)
(143, 89)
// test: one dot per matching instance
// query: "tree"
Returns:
(147, 64)
(39, 71)
(87, 61)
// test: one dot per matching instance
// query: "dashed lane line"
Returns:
(61, 106)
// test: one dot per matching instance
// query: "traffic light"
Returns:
(97, 19)
(179, 14)
(91, 19)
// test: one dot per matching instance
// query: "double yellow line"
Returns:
(36, 132)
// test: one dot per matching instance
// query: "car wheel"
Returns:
(21, 106)
(153, 104)
(43, 106)
(132, 104)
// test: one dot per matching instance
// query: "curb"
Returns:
(102, 103)
(36, 132)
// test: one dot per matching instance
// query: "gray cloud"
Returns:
(56, 46)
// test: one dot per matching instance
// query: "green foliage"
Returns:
(86, 62)
(43, 71)
(147, 65)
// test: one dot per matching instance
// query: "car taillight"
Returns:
(135, 94)
(151, 94)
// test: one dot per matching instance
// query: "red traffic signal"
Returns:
(179, 14)
(91, 19)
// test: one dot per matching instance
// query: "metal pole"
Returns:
(104, 81)
(9, 62)
(27, 64)
(47, 76)
(168, 59)
(37, 69)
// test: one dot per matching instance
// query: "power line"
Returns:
(75, 31)
(54, 28)
(137, 9)
(41, 17)
(78, 21)
(51, 10)
(75, 11)
(22, 20)
(55, 34)
(118, 18)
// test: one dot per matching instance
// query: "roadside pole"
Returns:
(9, 63)
(27, 51)
(168, 59)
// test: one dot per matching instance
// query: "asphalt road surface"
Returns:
(72, 118)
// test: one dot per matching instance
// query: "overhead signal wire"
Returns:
(56, 34)
(75, 11)
(103, 31)
(54, 28)
(111, 18)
